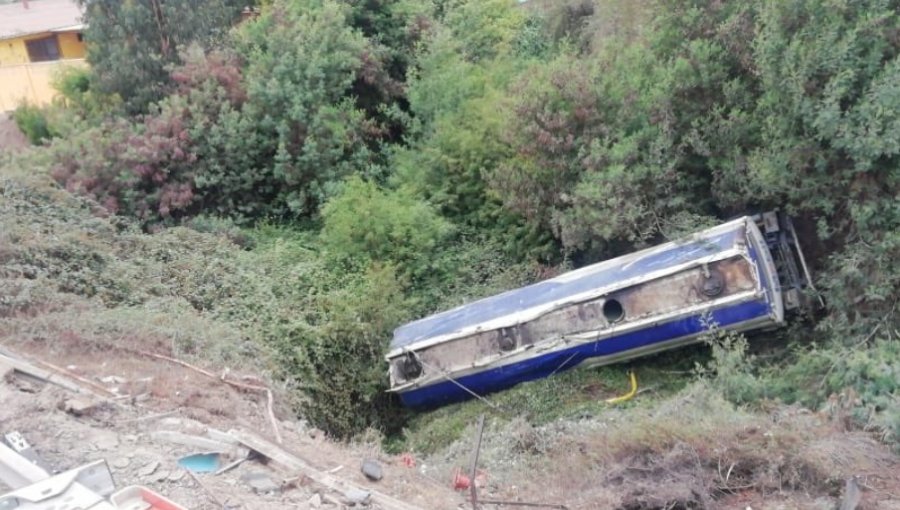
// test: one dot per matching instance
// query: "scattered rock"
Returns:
(113, 379)
(78, 406)
(372, 470)
(148, 469)
(159, 476)
(315, 501)
(170, 423)
(333, 500)
(103, 440)
(357, 496)
(176, 475)
(5, 371)
(203, 443)
(261, 483)
(120, 462)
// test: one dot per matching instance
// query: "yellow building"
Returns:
(37, 38)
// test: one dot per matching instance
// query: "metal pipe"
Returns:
(473, 490)
(523, 503)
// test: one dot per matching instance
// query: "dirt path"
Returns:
(132, 436)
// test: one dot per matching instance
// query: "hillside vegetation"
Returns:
(284, 191)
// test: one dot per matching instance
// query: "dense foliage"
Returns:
(431, 151)
(133, 42)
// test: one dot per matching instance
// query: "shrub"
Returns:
(461, 112)
(368, 224)
(174, 161)
(345, 373)
(302, 60)
(133, 43)
(144, 171)
(730, 371)
(79, 95)
(32, 121)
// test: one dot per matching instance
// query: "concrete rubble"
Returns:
(69, 427)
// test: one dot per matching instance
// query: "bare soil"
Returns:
(159, 396)
(11, 139)
(790, 458)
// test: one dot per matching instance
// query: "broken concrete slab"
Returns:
(159, 476)
(372, 469)
(148, 469)
(6, 370)
(79, 406)
(203, 443)
(120, 462)
(260, 482)
(103, 440)
(357, 496)
(43, 375)
(296, 465)
(224, 437)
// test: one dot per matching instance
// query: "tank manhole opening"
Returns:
(713, 284)
(613, 311)
(410, 367)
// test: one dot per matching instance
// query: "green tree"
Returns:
(461, 107)
(369, 225)
(302, 61)
(131, 43)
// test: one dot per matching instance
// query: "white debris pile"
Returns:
(71, 421)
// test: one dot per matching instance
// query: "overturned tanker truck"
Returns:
(743, 275)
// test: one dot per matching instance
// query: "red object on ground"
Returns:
(408, 460)
(461, 482)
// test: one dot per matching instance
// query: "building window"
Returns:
(42, 50)
(80, 37)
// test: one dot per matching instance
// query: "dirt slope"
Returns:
(164, 397)
(11, 139)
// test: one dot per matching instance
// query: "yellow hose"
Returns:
(627, 396)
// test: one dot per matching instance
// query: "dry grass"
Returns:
(74, 282)
(692, 451)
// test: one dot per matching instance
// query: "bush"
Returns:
(859, 385)
(132, 44)
(461, 112)
(730, 371)
(33, 122)
(367, 224)
(78, 95)
(302, 59)
(174, 162)
(328, 328)
(343, 364)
